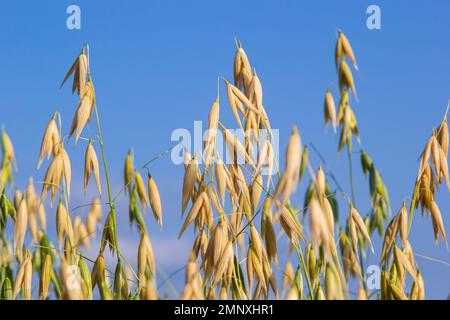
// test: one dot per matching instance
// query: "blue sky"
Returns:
(155, 65)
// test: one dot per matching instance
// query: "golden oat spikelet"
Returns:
(361, 226)
(256, 190)
(79, 69)
(438, 225)
(7, 148)
(225, 259)
(192, 215)
(141, 190)
(222, 178)
(403, 224)
(155, 200)
(235, 147)
(256, 92)
(20, 227)
(91, 165)
(443, 135)
(84, 111)
(404, 262)
(94, 216)
(128, 171)
(346, 77)
(290, 224)
(45, 278)
(444, 168)
(330, 110)
(50, 140)
(23, 277)
(241, 66)
(145, 258)
(389, 237)
(346, 49)
(64, 225)
(241, 98)
(288, 181)
(189, 179)
(67, 171)
(213, 124)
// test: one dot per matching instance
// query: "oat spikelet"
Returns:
(23, 277)
(7, 148)
(50, 140)
(145, 258)
(241, 67)
(346, 77)
(359, 222)
(319, 226)
(405, 263)
(222, 178)
(94, 216)
(320, 182)
(234, 147)
(389, 237)
(67, 171)
(330, 110)
(45, 278)
(91, 165)
(403, 221)
(84, 111)
(438, 225)
(213, 124)
(242, 99)
(63, 225)
(192, 213)
(53, 176)
(256, 92)
(20, 227)
(443, 136)
(128, 171)
(256, 191)
(347, 49)
(225, 259)
(79, 68)
(288, 181)
(141, 190)
(290, 225)
(190, 176)
(155, 200)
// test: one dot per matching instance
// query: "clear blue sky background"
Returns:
(155, 65)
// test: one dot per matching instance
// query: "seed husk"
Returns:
(91, 165)
(155, 200)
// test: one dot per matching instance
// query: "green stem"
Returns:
(305, 270)
(350, 174)
(413, 205)
(352, 186)
(108, 184)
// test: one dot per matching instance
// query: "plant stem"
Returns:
(350, 175)
(352, 186)
(305, 270)
(108, 184)
(413, 205)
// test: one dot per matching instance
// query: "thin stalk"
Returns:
(350, 175)
(413, 205)
(352, 186)
(108, 184)
(305, 270)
